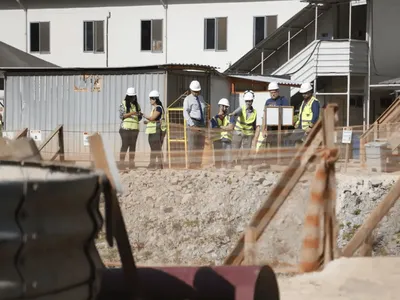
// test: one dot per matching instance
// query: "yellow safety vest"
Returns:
(246, 125)
(225, 134)
(152, 125)
(306, 114)
(131, 123)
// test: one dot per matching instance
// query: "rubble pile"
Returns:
(181, 217)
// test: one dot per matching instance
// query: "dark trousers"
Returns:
(196, 142)
(129, 139)
(156, 141)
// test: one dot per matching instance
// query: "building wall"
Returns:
(386, 40)
(185, 31)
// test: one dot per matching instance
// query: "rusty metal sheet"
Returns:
(179, 283)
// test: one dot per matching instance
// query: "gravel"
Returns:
(195, 217)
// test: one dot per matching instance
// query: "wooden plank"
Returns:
(276, 198)
(372, 221)
(250, 244)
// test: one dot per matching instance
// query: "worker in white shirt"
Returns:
(194, 112)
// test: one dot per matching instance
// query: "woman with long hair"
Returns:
(156, 129)
(130, 114)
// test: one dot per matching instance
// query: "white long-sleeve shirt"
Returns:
(191, 109)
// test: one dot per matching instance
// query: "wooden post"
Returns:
(278, 148)
(372, 221)
(281, 190)
(250, 245)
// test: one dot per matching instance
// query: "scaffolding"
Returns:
(177, 134)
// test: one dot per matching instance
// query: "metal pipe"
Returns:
(26, 23)
(316, 21)
(166, 31)
(348, 101)
(107, 23)
(369, 31)
(262, 62)
(179, 283)
(350, 17)
(288, 47)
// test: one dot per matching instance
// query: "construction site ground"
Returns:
(195, 217)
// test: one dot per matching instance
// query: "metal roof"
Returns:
(103, 70)
(277, 39)
(267, 79)
(11, 57)
(327, 1)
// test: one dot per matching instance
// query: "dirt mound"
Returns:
(181, 217)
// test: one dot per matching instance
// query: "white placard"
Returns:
(8, 134)
(272, 115)
(85, 139)
(346, 136)
(36, 135)
(287, 116)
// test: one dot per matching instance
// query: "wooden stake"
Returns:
(250, 244)
(372, 221)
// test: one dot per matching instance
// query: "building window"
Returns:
(152, 35)
(1, 84)
(215, 34)
(93, 36)
(40, 37)
(263, 27)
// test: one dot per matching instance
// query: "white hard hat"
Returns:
(131, 91)
(195, 86)
(224, 101)
(273, 86)
(248, 95)
(305, 87)
(154, 94)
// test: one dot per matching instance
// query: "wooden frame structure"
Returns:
(322, 132)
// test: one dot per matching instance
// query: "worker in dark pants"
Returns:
(270, 132)
(222, 141)
(156, 128)
(309, 114)
(130, 115)
(194, 112)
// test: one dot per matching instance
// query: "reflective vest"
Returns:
(131, 123)
(152, 125)
(225, 134)
(306, 114)
(246, 125)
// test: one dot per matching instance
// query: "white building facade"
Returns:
(118, 33)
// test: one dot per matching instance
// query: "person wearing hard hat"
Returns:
(223, 140)
(156, 129)
(309, 113)
(245, 127)
(130, 115)
(275, 100)
(194, 112)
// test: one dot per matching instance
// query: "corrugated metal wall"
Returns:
(43, 102)
(178, 83)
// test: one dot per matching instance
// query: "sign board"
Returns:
(287, 115)
(8, 134)
(85, 139)
(272, 115)
(346, 136)
(36, 135)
